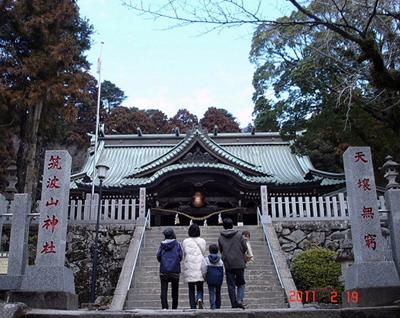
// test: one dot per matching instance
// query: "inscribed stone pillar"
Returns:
(369, 270)
(18, 253)
(264, 199)
(49, 272)
(142, 202)
(392, 198)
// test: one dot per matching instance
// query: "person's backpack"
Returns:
(170, 259)
(215, 275)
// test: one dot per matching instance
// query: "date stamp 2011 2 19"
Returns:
(335, 297)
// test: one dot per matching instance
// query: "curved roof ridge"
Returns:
(321, 173)
(190, 165)
(179, 150)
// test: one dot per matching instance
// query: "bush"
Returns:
(316, 269)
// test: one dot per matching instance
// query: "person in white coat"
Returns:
(194, 249)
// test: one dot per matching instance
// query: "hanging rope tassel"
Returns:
(177, 222)
(191, 222)
(205, 223)
(219, 219)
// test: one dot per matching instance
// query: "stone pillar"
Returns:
(3, 210)
(375, 279)
(392, 198)
(142, 202)
(49, 275)
(18, 254)
(264, 199)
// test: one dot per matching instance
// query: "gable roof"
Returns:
(183, 151)
(254, 159)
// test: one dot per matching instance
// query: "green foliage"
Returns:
(111, 95)
(316, 269)
(323, 88)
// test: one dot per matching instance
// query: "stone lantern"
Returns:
(391, 173)
(12, 180)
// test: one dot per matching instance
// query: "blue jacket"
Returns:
(213, 269)
(170, 255)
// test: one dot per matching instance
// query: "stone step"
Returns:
(209, 240)
(185, 228)
(263, 289)
(260, 252)
(225, 303)
(151, 259)
(250, 276)
(254, 277)
(250, 284)
(254, 246)
(183, 293)
(155, 266)
(154, 288)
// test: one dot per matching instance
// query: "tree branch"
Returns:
(364, 33)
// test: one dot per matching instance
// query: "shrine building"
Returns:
(200, 174)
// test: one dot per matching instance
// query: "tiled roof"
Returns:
(255, 162)
(185, 145)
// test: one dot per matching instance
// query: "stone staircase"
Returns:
(263, 289)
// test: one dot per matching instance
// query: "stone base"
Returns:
(371, 275)
(46, 300)
(48, 279)
(10, 282)
(371, 297)
(13, 310)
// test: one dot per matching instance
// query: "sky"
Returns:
(168, 68)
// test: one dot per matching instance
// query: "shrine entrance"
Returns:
(204, 199)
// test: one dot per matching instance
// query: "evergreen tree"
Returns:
(42, 70)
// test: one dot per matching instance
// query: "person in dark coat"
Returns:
(213, 272)
(169, 255)
(233, 248)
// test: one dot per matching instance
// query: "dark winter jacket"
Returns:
(170, 255)
(213, 269)
(233, 247)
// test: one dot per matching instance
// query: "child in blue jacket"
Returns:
(213, 272)
(169, 255)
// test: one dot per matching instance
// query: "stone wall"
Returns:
(296, 237)
(113, 246)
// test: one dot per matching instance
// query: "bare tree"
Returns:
(354, 20)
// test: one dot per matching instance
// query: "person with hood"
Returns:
(169, 255)
(194, 248)
(213, 272)
(233, 248)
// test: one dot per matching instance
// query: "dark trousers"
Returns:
(165, 278)
(215, 296)
(234, 278)
(192, 299)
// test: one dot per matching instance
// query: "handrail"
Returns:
(139, 249)
(128, 268)
(282, 271)
(269, 247)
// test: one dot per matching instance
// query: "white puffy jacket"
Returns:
(194, 249)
